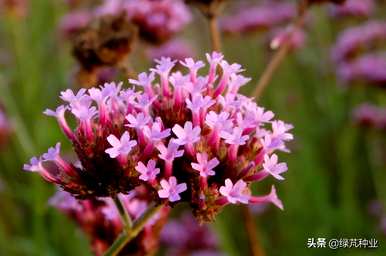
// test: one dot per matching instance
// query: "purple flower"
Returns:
(204, 166)
(274, 168)
(254, 18)
(164, 66)
(73, 22)
(353, 8)
(158, 20)
(155, 133)
(52, 153)
(198, 102)
(149, 172)
(139, 121)
(219, 121)
(235, 137)
(69, 96)
(237, 193)
(187, 134)
(120, 147)
(171, 190)
(369, 115)
(169, 153)
(34, 165)
(352, 40)
(369, 68)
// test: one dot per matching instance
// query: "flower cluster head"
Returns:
(357, 55)
(353, 8)
(369, 68)
(255, 18)
(100, 220)
(370, 116)
(188, 137)
(356, 40)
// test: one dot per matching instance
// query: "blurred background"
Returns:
(331, 87)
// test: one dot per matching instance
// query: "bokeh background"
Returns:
(336, 166)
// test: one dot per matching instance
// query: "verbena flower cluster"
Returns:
(186, 137)
(157, 21)
(100, 220)
(358, 54)
(371, 116)
(353, 8)
(261, 17)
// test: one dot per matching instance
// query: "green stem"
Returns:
(127, 235)
(128, 223)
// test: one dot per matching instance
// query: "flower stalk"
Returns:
(281, 53)
(126, 219)
(214, 33)
(128, 234)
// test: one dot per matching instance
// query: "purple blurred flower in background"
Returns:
(356, 40)
(255, 18)
(377, 211)
(368, 115)
(73, 22)
(5, 128)
(159, 20)
(185, 236)
(176, 49)
(369, 68)
(353, 8)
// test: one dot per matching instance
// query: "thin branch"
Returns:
(214, 33)
(127, 235)
(280, 54)
(128, 223)
(255, 247)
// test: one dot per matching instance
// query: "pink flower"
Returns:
(204, 166)
(237, 193)
(218, 121)
(149, 172)
(187, 134)
(271, 166)
(120, 147)
(155, 132)
(33, 166)
(139, 121)
(169, 153)
(235, 137)
(171, 190)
